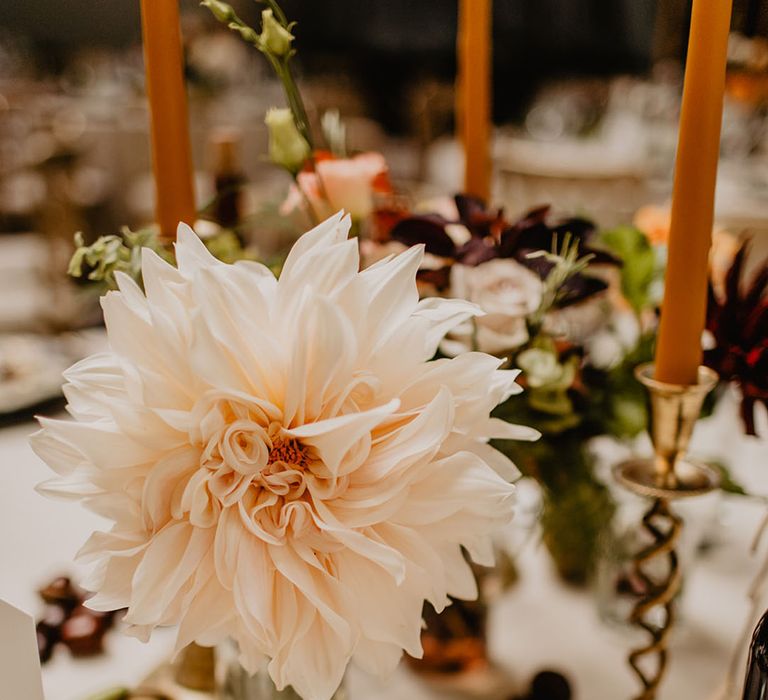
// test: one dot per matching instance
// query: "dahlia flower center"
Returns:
(288, 452)
(249, 462)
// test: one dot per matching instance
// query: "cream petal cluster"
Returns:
(283, 462)
(507, 292)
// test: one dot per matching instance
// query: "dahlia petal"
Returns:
(164, 486)
(218, 365)
(460, 581)
(170, 559)
(498, 461)
(317, 662)
(222, 304)
(357, 541)
(74, 487)
(294, 615)
(59, 454)
(318, 587)
(98, 371)
(461, 482)
(191, 253)
(118, 544)
(100, 443)
(392, 294)
(418, 439)
(480, 550)
(332, 438)
(444, 315)
(163, 283)
(322, 363)
(425, 568)
(210, 605)
(332, 230)
(399, 359)
(499, 429)
(253, 589)
(112, 582)
(118, 506)
(466, 376)
(325, 272)
(227, 546)
(132, 295)
(366, 587)
(378, 658)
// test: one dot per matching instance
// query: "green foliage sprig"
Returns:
(108, 255)
(566, 264)
(100, 261)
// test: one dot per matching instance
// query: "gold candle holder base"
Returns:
(667, 476)
(640, 476)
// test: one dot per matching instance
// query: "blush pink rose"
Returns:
(339, 184)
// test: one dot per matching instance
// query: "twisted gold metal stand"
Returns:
(665, 477)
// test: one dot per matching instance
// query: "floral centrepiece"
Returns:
(283, 461)
(576, 308)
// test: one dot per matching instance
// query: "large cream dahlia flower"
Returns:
(283, 462)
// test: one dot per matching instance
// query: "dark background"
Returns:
(385, 45)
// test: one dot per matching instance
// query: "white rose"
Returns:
(507, 292)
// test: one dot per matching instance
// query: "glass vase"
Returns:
(235, 683)
(617, 587)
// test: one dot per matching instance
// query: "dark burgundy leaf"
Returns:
(580, 288)
(537, 236)
(440, 278)
(470, 207)
(428, 229)
(580, 228)
(739, 325)
(540, 265)
(476, 251)
(602, 257)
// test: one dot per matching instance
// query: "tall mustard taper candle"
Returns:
(473, 106)
(678, 351)
(169, 125)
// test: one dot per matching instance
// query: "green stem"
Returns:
(281, 66)
(311, 213)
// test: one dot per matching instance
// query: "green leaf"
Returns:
(727, 482)
(639, 270)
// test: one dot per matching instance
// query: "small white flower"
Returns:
(283, 462)
(608, 346)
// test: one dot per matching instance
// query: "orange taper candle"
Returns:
(473, 108)
(678, 350)
(169, 125)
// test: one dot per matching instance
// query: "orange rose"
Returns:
(654, 222)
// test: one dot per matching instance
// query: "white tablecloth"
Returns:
(540, 623)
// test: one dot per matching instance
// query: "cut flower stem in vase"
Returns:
(235, 683)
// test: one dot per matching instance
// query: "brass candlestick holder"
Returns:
(667, 476)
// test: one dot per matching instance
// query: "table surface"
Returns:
(539, 623)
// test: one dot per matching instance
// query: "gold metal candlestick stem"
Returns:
(667, 476)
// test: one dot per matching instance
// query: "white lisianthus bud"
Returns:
(287, 147)
(220, 10)
(246, 33)
(275, 39)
